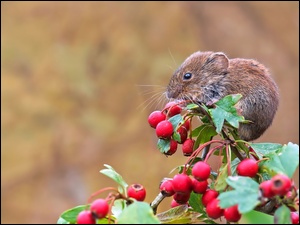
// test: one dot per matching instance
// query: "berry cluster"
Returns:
(197, 173)
(181, 186)
(159, 120)
(100, 208)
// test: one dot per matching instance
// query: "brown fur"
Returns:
(215, 76)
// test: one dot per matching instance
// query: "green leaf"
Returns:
(163, 145)
(118, 207)
(282, 215)
(256, 217)
(195, 202)
(220, 183)
(176, 137)
(70, 215)
(225, 110)
(175, 120)
(62, 221)
(179, 215)
(192, 106)
(111, 173)
(138, 213)
(203, 134)
(284, 160)
(245, 194)
(262, 149)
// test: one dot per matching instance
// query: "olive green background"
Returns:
(79, 79)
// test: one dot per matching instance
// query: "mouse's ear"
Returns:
(219, 61)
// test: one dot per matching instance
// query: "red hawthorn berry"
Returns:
(295, 217)
(208, 196)
(85, 217)
(213, 209)
(187, 124)
(281, 184)
(188, 147)
(199, 187)
(156, 117)
(99, 208)
(232, 214)
(183, 132)
(182, 183)
(247, 168)
(266, 189)
(173, 147)
(166, 188)
(201, 171)
(182, 198)
(136, 191)
(164, 129)
(173, 108)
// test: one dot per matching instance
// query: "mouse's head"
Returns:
(199, 78)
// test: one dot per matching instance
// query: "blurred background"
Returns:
(79, 79)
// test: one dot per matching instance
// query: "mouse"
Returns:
(205, 77)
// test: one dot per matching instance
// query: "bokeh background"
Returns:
(79, 79)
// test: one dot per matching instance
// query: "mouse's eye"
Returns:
(187, 76)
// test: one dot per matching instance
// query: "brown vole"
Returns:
(205, 77)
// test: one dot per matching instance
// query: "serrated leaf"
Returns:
(70, 215)
(282, 215)
(163, 145)
(245, 194)
(284, 160)
(265, 148)
(225, 110)
(138, 213)
(111, 173)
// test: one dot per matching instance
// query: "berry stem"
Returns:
(211, 151)
(198, 150)
(228, 155)
(100, 191)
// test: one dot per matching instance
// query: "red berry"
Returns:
(85, 217)
(182, 183)
(266, 189)
(99, 208)
(182, 198)
(295, 217)
(173, 108)
(188, 147)
(208, 196)
(199, 186)
(173, 147)
(201, 171)
(166, 188)
(232, 214)
(156, 117)
(164, 129)
(136, 191)
(281, 184)
(187, 124)
(247, 167)
(183, 132)
(213, 209)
